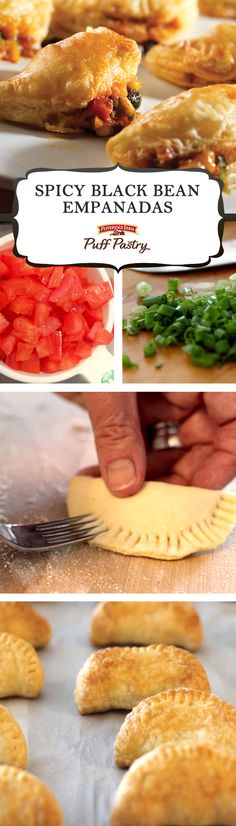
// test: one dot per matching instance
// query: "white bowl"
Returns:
(91, 369)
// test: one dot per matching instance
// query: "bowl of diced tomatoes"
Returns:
(55, 322)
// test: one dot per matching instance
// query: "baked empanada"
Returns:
(21, 672)
(21, 619)
(144, 623)
(218, 8)
(87, 81)
(178, 785)
(172, 717)
(194, 129)
(161, 521)
(25, 801)
(208, 59)
(161, 20)
(13, 746)
(23, 26)
(121, 677)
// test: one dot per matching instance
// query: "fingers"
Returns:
(119, 440)
(156, 407)
(220, 406)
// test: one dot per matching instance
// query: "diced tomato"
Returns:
(3, 300)
(69, 288)
(32, 365)
(83, 349)
(3, 269)
(25, 330)
(4, 323)
(50, 325)
(56, 276)
(98, 294)
(24, 350)
(13, 363)
(103, 336)
(22, 306)
(102, 107)
(93, 314)
(44, 346)
(56, 338)
(73, 324)
(42, 312)
(16, 266)
(7, 343)
(50, 365)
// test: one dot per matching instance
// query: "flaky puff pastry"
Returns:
(144, 623)
(121, 677)
(218, 8)
(172, 717)
(194, 129)
(178, 785)
(21, 672)
(23, 26)
(21, 619)
(161, 20)
(208, 59)
(25, 801)
(55, 89)
(13, 746)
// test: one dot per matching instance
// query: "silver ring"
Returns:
(165, 436)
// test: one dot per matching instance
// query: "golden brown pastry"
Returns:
(21, 619)
(161, 521)
(23, 26)
(207, 59)
(178, 785)
(161, 20)
(144, 623)
(121, 677)
(172, 717)
(13, 746)
(21, 672)
(25, 801)
(194, 129)
(87, 81)
(218, 8)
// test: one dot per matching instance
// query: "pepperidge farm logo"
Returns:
(117, 238)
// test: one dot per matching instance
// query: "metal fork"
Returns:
(46, 535)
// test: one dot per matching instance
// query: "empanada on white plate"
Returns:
(21, 672)
(218, 8)
(160, 521)
(87, 81)
(207, 59)
(195, 129)
(13, 746)
(144, 623)
(178, 785)
(21, 619)
(25, 801)
(175, 716)
(122, 677)
(23, 25)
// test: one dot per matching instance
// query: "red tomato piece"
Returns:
(94, 331)
(103, 336)
(42, 312)
(69, 288)
(93, 314)
(50, 326)
(25, 330)
(102, 107)
(50, 365)
(56, 338)
(44, 346)
(73, 323)
(32, 365)
(22, 306)
(24, 350)
(56, 277)
(98, 294)
(3, 269)
(4, 323)
(3, 300)
(83, 350)
(13, 363)
(7, 343)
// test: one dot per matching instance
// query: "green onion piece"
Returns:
(127, 361)
(143, 288)
(150, 348)
(173, 284)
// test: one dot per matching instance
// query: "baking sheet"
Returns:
(72, 754)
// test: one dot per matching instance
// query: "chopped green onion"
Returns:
(150, 348)
(127, 361)
(143, 288)
(173, 284)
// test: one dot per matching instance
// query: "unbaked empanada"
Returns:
(144, 623)
(161, 521)
(21, 619)
(13, 746)
(21, 672)
(23, 25)
(218, 8)
(25, 801)
(87, 81)
(194, 129)
(161, 20)
(173, 716)
(121, 677)
(178, 785)
(208, 59)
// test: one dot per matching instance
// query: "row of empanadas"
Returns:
(146, 623)
(23, 26)
(208, 59)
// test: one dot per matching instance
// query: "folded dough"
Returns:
(87, 81)
(194, 129)
(21, 619)
(21, 672)
(25, 801)
(121, 677)
(161, 521)
(161, 20)
(144, 623)
(178, 785)
(13, 746)
(172, 717)
(218, 8)
(207, 59)
(23, 25)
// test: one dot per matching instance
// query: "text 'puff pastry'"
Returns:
(173, 716)
(21, 672)
(208, 59)
(160, 521)
(21, 619)
(122, 677)
(218, 8)
(142, 20)
(144, 623)
(13, 746)
(194, 129)
(25, 801)
(87, 81)
(23, 25)
(178, 785)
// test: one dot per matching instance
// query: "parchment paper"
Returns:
(72, 754)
